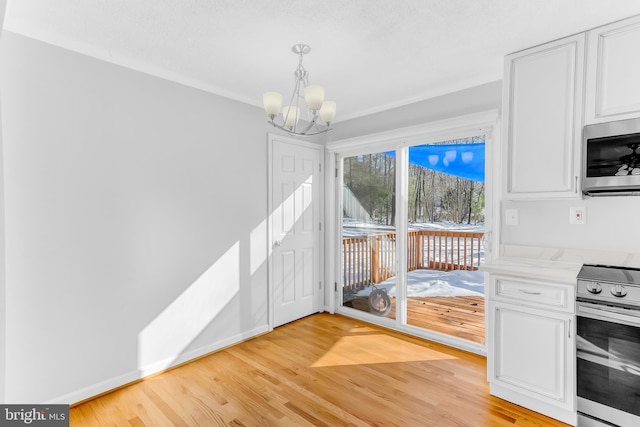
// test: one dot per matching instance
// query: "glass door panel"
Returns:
(369, 234)
(445, 289)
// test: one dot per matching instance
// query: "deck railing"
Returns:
(370, 259)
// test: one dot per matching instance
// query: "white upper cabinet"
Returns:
(542, 103)
(613, 72)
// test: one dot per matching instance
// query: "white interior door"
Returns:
(295, 203)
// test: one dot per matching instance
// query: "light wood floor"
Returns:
(323, 370)
(461, 317)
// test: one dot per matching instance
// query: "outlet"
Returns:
(578, 215)
(511, 216)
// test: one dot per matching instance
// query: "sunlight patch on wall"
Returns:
(162, 341)
(257, 246)
(286, 217)
(376, 348)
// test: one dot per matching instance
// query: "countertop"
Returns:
(554, 264)
(534, 269)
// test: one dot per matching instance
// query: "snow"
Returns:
(351, 227)
(432, 283)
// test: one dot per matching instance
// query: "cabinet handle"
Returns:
(569, 328)
(524, 291)
(576, 187)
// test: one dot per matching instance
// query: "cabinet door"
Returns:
(543, 106)
(613, 63)
(531, 353)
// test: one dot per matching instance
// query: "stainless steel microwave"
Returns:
(611, 158)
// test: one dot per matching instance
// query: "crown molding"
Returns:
(129, 63)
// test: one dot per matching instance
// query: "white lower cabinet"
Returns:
(531, 352)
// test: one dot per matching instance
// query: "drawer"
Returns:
(535, 293)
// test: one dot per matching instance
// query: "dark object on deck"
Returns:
(379, 302)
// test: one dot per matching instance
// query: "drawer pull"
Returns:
(524, 291)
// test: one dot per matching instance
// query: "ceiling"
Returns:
(371, 55)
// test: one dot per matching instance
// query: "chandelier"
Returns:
(320, 113)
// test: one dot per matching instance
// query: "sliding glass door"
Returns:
(434, 193)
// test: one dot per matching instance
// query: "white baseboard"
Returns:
(153, 368)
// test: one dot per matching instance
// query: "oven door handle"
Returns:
(605, 312)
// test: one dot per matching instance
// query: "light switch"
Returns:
(511, 216)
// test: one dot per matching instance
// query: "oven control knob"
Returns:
(618, 291)
(594, 288)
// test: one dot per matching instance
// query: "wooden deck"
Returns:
(461, 317)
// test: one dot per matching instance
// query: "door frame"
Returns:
(272, 139)
(483, 123)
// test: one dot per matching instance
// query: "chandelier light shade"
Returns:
(291, 115)
(314, 96)
(328, 111)
(272, 103)
(320, 113)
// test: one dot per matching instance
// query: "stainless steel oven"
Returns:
(608, 346)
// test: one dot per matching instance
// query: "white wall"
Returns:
(135, 222)
(3, 6)
(473, 100)
(612, 224)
